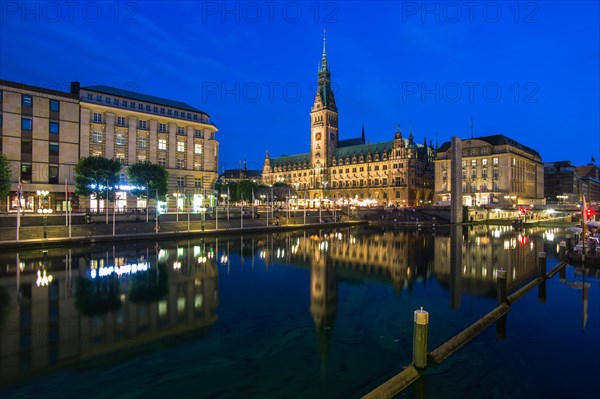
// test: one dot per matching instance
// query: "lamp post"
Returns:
(43, 209)
(113, 217)
(106, 203)
(225, 196)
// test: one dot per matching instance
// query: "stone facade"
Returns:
(134, 127)
(39, 134)
(495, 169)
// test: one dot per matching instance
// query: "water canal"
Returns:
(315, 314)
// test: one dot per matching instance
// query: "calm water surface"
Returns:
(319, 314)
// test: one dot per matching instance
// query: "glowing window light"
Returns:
(177, 265)
(129, 268)
(198, 300)
(43, 279)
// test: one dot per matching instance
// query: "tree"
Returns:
(244, 189)
(94, 174)
(5, 174)
(152, 177)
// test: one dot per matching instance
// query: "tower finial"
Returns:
(324, 57)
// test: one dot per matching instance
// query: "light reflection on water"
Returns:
(300, 314)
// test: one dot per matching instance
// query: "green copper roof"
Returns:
(291, 159)
(374, 148)
(141, 97)
(349, 142)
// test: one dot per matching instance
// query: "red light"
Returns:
(523, 210)
(589, 212)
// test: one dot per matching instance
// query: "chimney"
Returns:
(75, 88)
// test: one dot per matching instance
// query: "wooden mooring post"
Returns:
(542, 264)
(421, 325)
(501, 286)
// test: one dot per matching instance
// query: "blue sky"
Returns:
(529, 70)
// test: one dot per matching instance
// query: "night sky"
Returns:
(528, 70)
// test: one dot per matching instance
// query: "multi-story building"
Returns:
(134, 127)
(589, 175)
(39, 134)
(560, 182)
(399, 171)
(564, 183)
(495, 169)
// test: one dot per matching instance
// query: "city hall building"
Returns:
(399, 171)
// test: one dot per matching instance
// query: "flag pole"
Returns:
(19, 193)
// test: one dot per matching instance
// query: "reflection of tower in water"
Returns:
(323, 299)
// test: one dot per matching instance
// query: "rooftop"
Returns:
(497, 139)
(113, 91)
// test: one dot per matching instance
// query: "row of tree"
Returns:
(100, 176)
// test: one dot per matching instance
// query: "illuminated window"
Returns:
(142, 142)
(162, 144)
(180, 146)
(26, 101)
(120, 139)
(96, 136)
(198, 148)
(495, 161)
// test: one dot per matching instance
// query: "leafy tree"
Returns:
(229, 188)
(93, 174)
(5, 173)
(244, 188)
(154, 176)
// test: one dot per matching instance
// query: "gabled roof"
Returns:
(497, 139)
(141, 97)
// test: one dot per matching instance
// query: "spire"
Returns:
(324, 82)
(363, 133)
(324, 56)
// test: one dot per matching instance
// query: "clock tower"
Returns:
(323, 126)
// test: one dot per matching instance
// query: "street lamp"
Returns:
(224, 197)
(44, 209)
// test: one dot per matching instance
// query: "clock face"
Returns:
(318, 136)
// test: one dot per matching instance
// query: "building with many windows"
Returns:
(39, 134)
(45, 132)
(495, 169)
(565, 183)
(398, 171)
(134, 127)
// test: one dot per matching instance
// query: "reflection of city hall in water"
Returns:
(81, 305)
